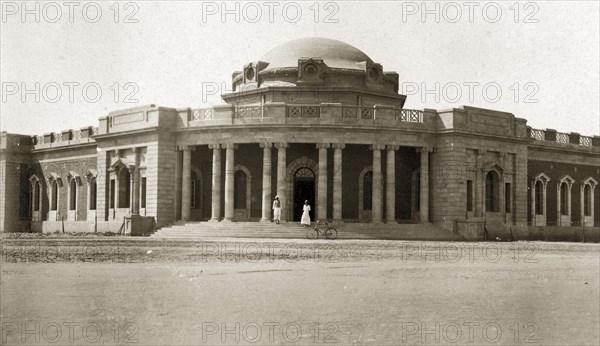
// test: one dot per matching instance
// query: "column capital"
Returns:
(323, 145)
(185, 147)
(214, 146)
(266, 145)
(392, 147)
(424, 149)
(338, 145)
(282, 145)
(229, 146)
(376, 147)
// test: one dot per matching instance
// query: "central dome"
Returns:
(336, 54)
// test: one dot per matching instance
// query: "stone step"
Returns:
(292, 230)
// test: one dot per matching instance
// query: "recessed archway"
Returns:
(292, 168)
(304, 190)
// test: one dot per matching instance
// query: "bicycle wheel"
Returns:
(312, 234)
(331, 233)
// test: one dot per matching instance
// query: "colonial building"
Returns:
(313, 119)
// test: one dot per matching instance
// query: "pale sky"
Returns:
(542, 56)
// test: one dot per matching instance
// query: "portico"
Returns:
(316, 172)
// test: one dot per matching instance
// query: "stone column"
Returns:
(390, 184)
(186, 183)
(229, 175)
(267, 203)
(322, 189)
(424, 188)
(337, 181)
(131, 196)
(376, 212)
(216, 183)
(281, 173)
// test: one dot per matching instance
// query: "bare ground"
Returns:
(301, 292)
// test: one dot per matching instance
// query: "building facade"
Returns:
(314, 119)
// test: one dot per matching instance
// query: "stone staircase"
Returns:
(292, 230)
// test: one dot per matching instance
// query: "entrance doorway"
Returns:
(304, 189)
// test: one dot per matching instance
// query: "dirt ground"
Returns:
(301, 292)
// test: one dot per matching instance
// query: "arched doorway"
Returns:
(289, 211)
(304, 189)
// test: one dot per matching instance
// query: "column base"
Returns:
(227, 220)
(376, 221)
(266, 220)
(213, 220)
(391, 222)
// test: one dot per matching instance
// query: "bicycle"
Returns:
(329, 232)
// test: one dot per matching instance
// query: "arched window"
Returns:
(492, 192)
(539, 197)
(72, 194)
(36, 196)
(587, 200)
(93, 188)
(564, 199)
(538, 211)
(54, 198)
(239, 182)
(124, 188)
(368, 191)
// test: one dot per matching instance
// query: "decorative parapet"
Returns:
(316, 113)
(409, 115)
(201, 114)
(303, 111)
(573, 138)
(550, 135)
(38, 140)
(562, 137)
(247, 112)
(539, 135)
(587, 141)
(64, 138)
